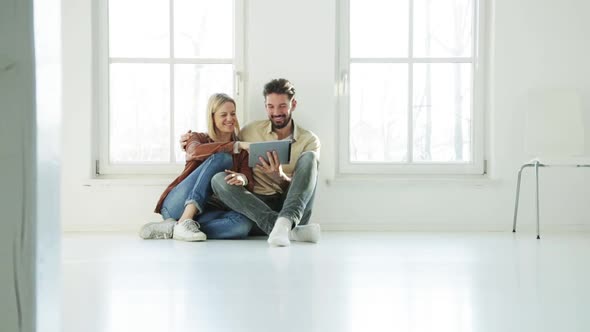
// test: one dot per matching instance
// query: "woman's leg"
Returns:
(185, 201)
(188, 198)
(219, 224)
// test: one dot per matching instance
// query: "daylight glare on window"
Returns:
(411, 81)
(164, 61)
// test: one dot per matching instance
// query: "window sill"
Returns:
(129, 180)
(469, 180)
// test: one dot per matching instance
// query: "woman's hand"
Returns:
(244, 146)
(235, 178)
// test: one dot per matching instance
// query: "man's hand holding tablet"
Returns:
(268, 158)
(263, 149)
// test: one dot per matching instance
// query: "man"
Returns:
(282, 199)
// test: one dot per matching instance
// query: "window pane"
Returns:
(443, 28)
(193, 84)
(442, 112)
(203, 28)
(378, 28)
(378, 112)
(139, 28)
(139, 113)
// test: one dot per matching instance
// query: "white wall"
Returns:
(533, 44)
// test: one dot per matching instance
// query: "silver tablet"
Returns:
(259, 149)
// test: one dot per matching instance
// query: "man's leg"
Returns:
(220, 224)
(298, 203)
(242, 201)
(299, 199)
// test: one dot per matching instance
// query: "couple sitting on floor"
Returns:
(271, 199)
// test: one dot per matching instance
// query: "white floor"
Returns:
(348, 282)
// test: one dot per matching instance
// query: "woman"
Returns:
(186, 199)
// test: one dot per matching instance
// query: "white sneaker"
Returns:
(188, 230)
(157, 230)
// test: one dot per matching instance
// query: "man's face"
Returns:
(279, 108)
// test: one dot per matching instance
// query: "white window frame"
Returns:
(477, 163)
(102, 164)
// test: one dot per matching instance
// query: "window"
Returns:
(159, 61)
(411, 86)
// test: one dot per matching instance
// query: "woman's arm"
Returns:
(199, 147)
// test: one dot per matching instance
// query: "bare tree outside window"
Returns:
(164, 61)
(425, 57)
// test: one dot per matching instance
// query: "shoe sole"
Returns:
(190, 239)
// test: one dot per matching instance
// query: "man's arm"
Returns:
(184, 139)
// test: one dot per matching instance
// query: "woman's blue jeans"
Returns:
(196, 189)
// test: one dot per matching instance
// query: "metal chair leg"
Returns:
(517, 197)
(537, 193)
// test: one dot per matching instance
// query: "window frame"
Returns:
(101, 64)
(478, 102)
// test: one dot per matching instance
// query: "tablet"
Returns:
(259, 149)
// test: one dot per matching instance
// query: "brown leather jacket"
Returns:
(198, 148)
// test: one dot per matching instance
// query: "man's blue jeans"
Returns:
(196, 189)
(295, 204)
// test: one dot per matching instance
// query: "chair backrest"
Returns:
(554, 124)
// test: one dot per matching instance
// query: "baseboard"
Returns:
(406, 227)
(374, 227)
(383, 227)
(118, 228)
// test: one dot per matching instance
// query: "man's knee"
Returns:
(310, 158)
(218, 182)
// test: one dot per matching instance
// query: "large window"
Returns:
(159, 62)
(411, 86)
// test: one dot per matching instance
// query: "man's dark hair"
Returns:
(279, 86)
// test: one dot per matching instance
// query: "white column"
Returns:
(17, 167)
(28, 172)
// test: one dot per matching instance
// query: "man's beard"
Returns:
(283, 125)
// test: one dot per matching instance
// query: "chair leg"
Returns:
(537, 194)
(517, 197)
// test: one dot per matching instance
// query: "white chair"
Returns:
(554, 135)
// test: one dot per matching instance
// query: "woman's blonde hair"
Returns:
(215, 102)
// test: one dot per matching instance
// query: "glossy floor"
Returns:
(348, 282)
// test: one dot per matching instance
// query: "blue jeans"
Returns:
(222, 224)
(295, 204)
(196, 189)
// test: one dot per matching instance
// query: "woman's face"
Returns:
(225, 118)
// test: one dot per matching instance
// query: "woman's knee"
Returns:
(222, 160)
(222, 156)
